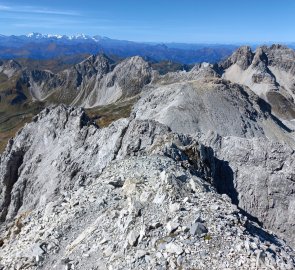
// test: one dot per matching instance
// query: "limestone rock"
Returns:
(269, 72)
(51, 221)
(198, 229)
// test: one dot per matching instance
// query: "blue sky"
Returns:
(222, 21)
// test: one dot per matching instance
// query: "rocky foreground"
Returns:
(134, 195)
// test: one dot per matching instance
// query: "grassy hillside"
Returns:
(14, 118)
(55, 64)
(105, 115)
(16, 107)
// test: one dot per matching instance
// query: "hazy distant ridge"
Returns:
(39, 46)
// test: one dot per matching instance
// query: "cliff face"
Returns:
(261, 179)
(133, 195)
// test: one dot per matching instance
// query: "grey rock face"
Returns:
(41, 156)
(281, 57)
(210, 104)
(269, 72)
(126, 80)
(259, 176)
(69, 84)
(242, 57)
(84, 198)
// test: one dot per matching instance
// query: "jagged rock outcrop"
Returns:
(281, 57)
(199, 71)
(130, 196)
(126, 80)
(36, 161)
(66, 85)
(62, 143)
(269, 72)
(10, 67)
(93, 82)
(243, 57)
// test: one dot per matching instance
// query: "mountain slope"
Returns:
(250, 155)
(133, 195)
(254, 148)
(210, 104)
(269, 72)
(92, 82)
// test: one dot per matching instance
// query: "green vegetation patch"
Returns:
(105, 115)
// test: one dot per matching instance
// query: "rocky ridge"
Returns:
(269, 72)
(141, 199)
(95, 81)
(9, 68)
(211, 104)
(236, 142)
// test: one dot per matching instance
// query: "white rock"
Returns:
(174, 248)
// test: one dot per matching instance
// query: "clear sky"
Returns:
(213, 21)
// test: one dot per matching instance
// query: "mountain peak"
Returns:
(57, 36)
(243, 56)
(34, 35)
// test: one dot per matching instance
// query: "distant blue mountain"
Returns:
(39, 46)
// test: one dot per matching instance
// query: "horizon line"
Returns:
(162, 42)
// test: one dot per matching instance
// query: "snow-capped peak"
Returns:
(34, 35)
(81, 37)
(71, 37)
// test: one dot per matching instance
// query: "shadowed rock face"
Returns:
(261, 179)
(121, 197)
(243, 57)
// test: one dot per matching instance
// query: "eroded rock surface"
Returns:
(144, 193)
(211, 104)
(269, 72)
(259, 177)
(134, 195)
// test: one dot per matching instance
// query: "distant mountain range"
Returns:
(39, 46)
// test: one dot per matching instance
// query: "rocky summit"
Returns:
(199, 176)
